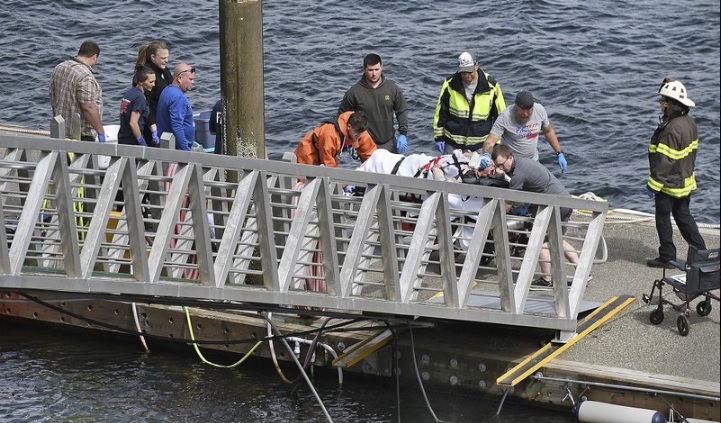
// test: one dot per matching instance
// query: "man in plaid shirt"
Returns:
(74, 90)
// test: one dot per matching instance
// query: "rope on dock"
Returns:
(24, 130)
(630, 216)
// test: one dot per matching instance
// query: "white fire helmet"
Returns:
(675, 90)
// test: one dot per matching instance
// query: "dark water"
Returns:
(595, 66)
(51, 376)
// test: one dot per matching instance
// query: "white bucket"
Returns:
(111, 137)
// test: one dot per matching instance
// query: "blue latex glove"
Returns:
(141, 141)
(650, 193)
(441, 146)
(485, 161)
(562, 163)
(350, 189)
(521, 211)
(101, 137)
(401, 144)
(156, 138)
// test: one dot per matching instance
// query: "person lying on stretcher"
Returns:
(456, 167)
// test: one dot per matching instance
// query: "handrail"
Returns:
(262, 241)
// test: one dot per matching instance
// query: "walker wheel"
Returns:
(682, 324)
(656, 316)
(704, 308)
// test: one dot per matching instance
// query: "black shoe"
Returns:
(541, 284)
(659, 262)
(570, 283)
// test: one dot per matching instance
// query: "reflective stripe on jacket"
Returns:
(465, 123)
(672, 157)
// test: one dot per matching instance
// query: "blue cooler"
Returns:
(202, 131)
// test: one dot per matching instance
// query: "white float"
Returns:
(601, 412)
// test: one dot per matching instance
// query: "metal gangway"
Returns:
(201, 227)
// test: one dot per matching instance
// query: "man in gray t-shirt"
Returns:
(529, 175)
(520, 126)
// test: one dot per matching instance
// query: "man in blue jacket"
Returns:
(174, 111)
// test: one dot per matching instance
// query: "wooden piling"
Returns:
(241, 76)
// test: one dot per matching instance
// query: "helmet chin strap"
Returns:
(671, 110)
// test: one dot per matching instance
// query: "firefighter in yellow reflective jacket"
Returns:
(671, 159)
(468, 105)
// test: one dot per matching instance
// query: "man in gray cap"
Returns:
(519, 128)
(469, 103)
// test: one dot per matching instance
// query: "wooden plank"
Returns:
(550, 351)
(621, 376)
(363, 349)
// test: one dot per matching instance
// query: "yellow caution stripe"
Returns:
(363, 349)
(550, 351)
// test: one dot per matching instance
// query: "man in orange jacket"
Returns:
(324, 144)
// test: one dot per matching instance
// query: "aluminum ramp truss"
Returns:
(195, 226)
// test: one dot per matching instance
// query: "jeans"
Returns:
(450, 146)
(679, 208)
(389, 145)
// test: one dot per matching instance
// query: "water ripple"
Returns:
(596, 67)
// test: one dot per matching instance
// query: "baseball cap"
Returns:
(524, 100)
(466, 62)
